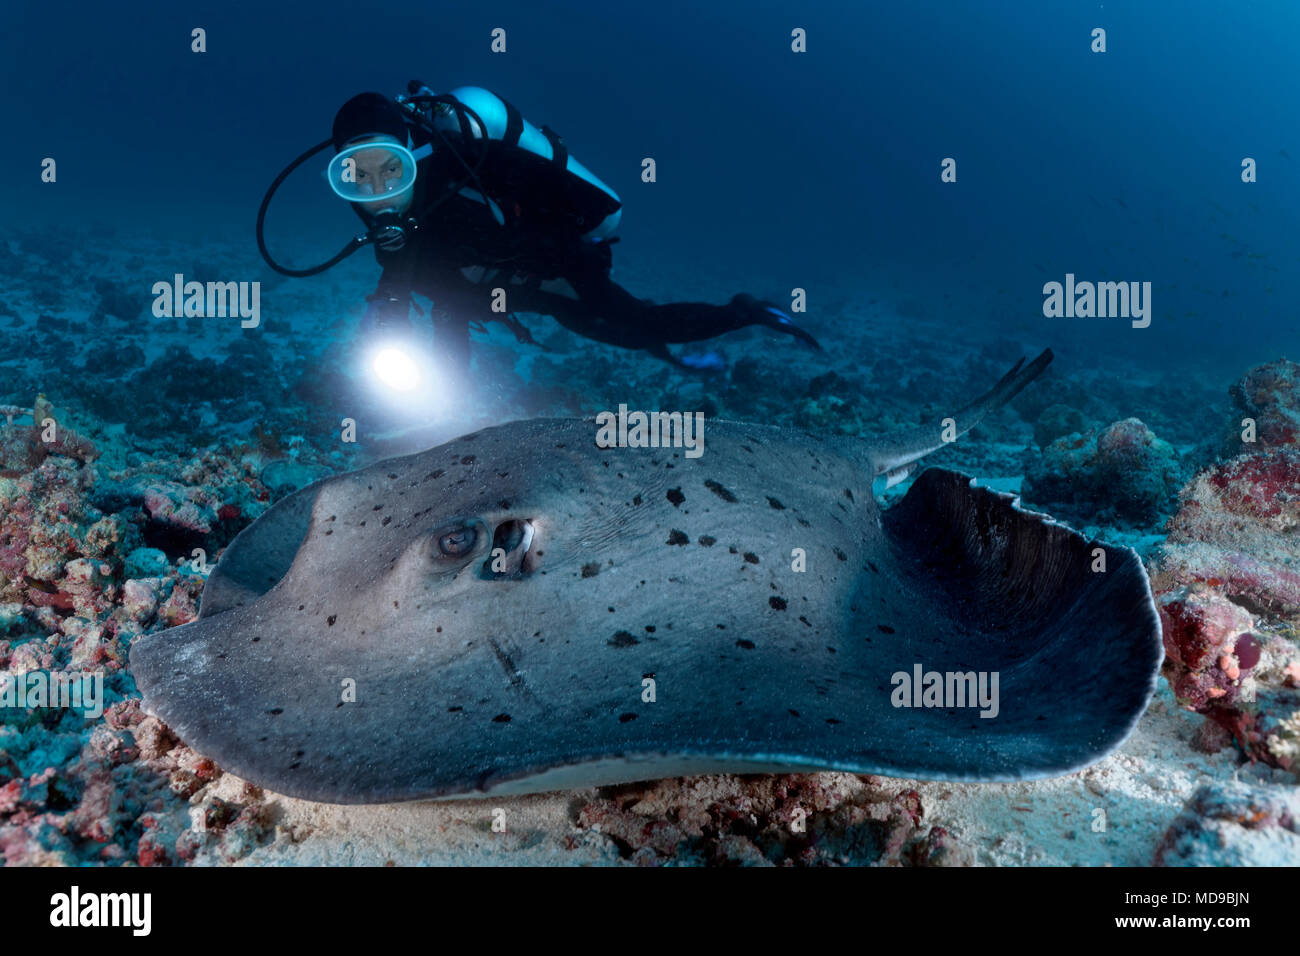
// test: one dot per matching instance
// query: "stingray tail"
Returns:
(894, 456)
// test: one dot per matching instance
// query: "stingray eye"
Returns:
(457, 542)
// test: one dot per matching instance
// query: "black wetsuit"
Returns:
(460, 253)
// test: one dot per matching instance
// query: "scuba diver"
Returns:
(462, 197)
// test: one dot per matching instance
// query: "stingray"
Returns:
(521, 609)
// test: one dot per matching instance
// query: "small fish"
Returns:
(39, 585)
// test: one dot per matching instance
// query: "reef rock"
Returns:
(1269, 395)
(1058, 421)
(790, 820)
(1233, 824)
(1227, 582)
(1238, 529)
(1120, 472)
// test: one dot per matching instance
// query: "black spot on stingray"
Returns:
(751, 557)
(649, 628)
(722, 627)
(622, 639)
(804, 522)
(387, 518)
(636, 500)
(874, 569)
(331, 619)
(677, 537)
(747, 645)
(276, 711)
(831, 720)
(733, 550)
(708, 540)
(363, 524)
(840, 554)
(776, 603)
(378, 507)
(676, 497)
(848, 494)
(301, 606)
(591, 569)
(455, 709)
(256, 639)
(720, 491)
(776, 505)
(624, 718)
(804, 621)
(794, 713)
(469, 460)
(438, 473)
(503, 504)
(884, 629)
(501, 719)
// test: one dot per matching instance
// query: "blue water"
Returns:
(817, 170)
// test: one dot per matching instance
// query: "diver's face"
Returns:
(375, 170)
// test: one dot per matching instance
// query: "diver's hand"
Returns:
(386, 316)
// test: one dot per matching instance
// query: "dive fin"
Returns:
(759, 312)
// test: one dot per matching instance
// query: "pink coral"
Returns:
(1235, 530)
(1229, 591)
(1201, 630)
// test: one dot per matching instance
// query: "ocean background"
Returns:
(775, 171)
(818, 170)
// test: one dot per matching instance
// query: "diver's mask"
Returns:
(379, 177)
(373, 174)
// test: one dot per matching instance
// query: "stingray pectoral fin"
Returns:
(261, 554)
(1067, 624)
(894, 451)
